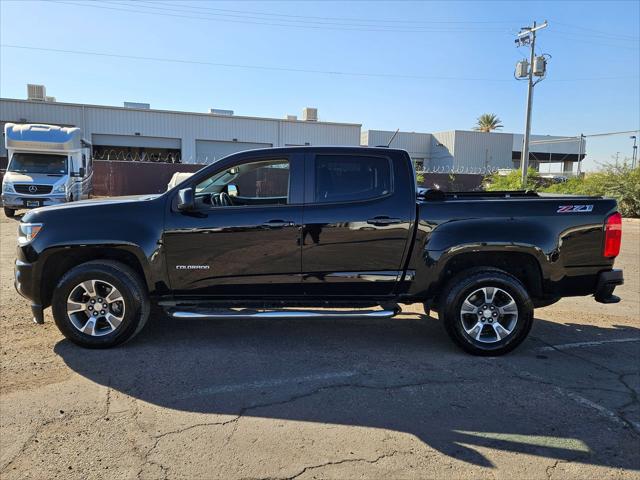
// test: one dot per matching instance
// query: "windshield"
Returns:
(38, 163)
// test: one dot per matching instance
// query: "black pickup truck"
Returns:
(281, 232)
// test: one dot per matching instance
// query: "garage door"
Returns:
(135, 141)
(208, 151)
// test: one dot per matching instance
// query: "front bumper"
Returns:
(17, 200)
(607, 282)
(25, 286)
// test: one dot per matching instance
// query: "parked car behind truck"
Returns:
(47, 165)
(309, 227)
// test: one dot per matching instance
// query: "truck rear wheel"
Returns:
(486, 311)
(9, 212)
(100, 304)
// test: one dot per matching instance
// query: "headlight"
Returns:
(8, 187)
(27, 232)
(62, 188)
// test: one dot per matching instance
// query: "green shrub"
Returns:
(616, 181)
(512, 181)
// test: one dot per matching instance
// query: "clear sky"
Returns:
(429, 66)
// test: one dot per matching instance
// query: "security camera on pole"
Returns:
(536, 66)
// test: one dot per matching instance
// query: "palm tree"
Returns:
(488, 122)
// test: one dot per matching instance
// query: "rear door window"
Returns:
(348, 178)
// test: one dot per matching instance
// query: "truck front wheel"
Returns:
(486, 311)
(9, 212)
(100, 304)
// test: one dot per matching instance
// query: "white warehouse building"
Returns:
(466, 151)
(121, 133)
(137, 132)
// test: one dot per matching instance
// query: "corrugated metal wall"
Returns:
(417, 144)
(314, 133)
(135, 141)
(443, 149)
(188, 127)
(209, 151)
(452, 149)
(481, 150)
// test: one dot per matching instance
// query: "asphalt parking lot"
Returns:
(324, 399)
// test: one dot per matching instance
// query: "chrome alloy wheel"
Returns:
(95, 307)
(489, 314)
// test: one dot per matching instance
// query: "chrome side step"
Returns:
(245, 314)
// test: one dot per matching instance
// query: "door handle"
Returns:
(278, 224)
(382, 221)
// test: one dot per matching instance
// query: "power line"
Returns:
(581, 39)
(441, 27)
(342, 19)
(596, 32)
(135, 8)
(278, 68)
(246, 66)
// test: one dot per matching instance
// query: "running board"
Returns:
(287, 314)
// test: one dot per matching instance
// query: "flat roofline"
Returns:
(551, 137)
(393, 131)
(177, 112)
(466, 131)
(508, 133)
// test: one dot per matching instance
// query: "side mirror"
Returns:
(232, 190)
(81, 172)
(186, 200)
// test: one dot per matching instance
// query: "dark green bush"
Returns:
(617, 181)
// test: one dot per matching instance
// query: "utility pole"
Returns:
(527, 36)
(580, 148)
(634, 153)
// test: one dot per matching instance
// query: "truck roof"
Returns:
(42, 137)
(326, 149)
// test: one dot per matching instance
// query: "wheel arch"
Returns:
(522, 265)
(60, 261)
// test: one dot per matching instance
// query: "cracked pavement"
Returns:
(329, 399)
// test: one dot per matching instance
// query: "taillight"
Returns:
(612, 235)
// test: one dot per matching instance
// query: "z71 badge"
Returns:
(575, 208)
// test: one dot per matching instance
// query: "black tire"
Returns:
(9, 212)
(469, 281)
(121, 276)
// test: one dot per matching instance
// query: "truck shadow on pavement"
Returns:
(402, 375)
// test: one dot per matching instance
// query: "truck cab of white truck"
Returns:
(48, 165)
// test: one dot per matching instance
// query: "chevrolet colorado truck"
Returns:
(316, 232)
